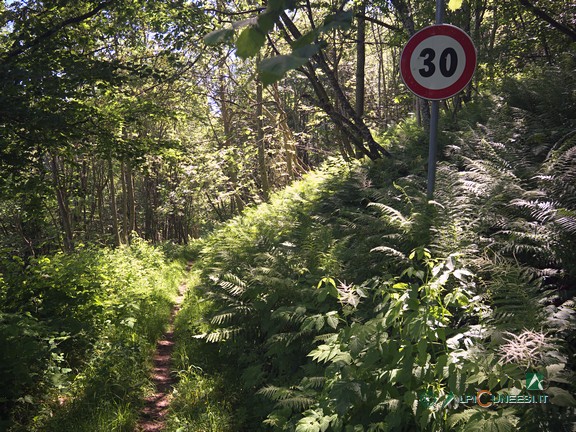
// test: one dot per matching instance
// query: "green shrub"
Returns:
(83, 327)
(349, 302)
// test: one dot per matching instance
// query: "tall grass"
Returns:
(202, 399)
(98, 313)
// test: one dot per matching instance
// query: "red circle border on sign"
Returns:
(438, 30)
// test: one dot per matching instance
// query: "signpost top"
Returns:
(438, 62)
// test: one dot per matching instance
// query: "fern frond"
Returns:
(298, 403)
(221, 335)
(460, 417)
(391, 252)
(274, 392)
(231, 314)
(232, 284)
(392, 216)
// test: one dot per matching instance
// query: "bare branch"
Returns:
(377, 21)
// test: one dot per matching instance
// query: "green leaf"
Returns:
(308, 424)
(441, 363)
(561, 397)
(454, 5)
(305, 39)
(422, 351)
(479, 378)
(273, 69)
(355, 345)
(306, 52)
(249, 42)
(267, 20)
(319, 322)
(410, 397)
(332, 319)
(276, 5)
(218, 36)
(340, 20)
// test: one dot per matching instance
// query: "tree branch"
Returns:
(51, 32)
(544, 16)
(374, 150)
(377, 21)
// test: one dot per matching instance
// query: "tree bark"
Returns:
(63, 208)
(360, 60)
(113, 207)
(131, 199)
(149, 206)
(262, 166)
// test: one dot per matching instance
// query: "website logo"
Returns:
(428, 399)
(449, 398)
(485, 398)
(534, 381)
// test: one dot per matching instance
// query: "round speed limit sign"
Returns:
(438, 62)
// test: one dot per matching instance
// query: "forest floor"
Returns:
(152, 416)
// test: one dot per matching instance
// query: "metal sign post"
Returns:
(434, 113)
(437, 63)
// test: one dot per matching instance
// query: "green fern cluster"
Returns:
(350, 296)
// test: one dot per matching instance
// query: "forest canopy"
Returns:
(117, 118)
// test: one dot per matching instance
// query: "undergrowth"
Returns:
(351, 303)
(79, 331)
(202, 399)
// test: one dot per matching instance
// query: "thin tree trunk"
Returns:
(114, 209)
(101, 187)
(262, 166)
(360, 60)
(63, 208)
(148, 210)
(131, 199)
(125, 227)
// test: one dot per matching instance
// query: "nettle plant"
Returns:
(378, 366)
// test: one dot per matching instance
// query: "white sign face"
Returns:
(438, 62)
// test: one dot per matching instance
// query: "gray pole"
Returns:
(433, 148)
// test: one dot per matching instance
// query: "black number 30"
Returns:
(447, 67)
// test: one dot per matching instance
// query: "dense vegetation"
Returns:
(77, 332)
(349, 297)
(276, 145)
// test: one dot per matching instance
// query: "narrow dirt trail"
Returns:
(156, 406)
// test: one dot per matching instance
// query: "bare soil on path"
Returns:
(152, 416)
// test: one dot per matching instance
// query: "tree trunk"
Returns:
(360, 60)
(125, 227)
(149, 225)
(262, 166)
(63, 208)
(99, 185)
(131, 199)
(114, 209)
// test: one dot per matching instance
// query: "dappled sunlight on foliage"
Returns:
(349, 296)
(81, 327)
